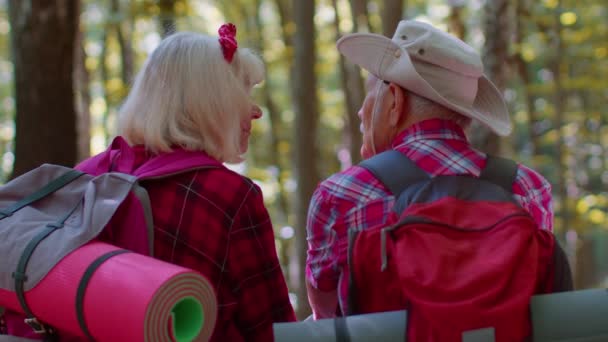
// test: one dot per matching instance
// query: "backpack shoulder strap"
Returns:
(395, 170)
(500, 171)
(562, 275)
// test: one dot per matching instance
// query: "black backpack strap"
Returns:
(500, 171)
(82, 287)
(341, 329)
(562, 275)
(20, 276)
(48, 189)
(395, 170)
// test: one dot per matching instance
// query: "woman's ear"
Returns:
(399, 102)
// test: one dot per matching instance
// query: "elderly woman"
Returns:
(194, 94)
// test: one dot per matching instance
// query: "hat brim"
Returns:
(383, 58)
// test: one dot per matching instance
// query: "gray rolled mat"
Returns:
(6, 338)
(383, 326)
(570, 316)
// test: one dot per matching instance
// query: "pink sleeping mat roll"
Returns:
(128, 297)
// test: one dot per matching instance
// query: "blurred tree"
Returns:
(355, 88)
(123, 27)
(456, 24)
(558, 98)
(116, 77)
(105, 79)
(287, 24)
(83, 98)
(352, 86)
(43, 37)
(360, 16)
(166, 19)
(305, 132)
(522, 14)
(392, 13)
(276, 140)
(495, 53)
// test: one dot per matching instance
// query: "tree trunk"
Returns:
(455, 22)
(276, 127)
(43, 37)
(286, 18)
(236, 11)
(290, 251)
(166, 19)
(305, 131)
(276, 124)
(350, 78)
(123, 35)
(287, 32)
(105, 77)
(360, 14)
(392, 13)
(355, 87)
(495, 54)
(524, 74)
(83, 99)
(559, 122)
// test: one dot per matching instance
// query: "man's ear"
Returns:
(399, 102)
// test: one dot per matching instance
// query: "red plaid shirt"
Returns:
(355, 199)
(215, 222)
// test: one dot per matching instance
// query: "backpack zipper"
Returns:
(416, 220)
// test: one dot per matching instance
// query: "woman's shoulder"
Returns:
(212, 193)
(231, 178)
(222, 185)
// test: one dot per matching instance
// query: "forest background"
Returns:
(66, 65)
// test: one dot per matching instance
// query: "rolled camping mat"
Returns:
(129, 297)
(6, 338)
(383, 326)
(570, 316)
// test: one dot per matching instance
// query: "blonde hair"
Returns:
(188, 95)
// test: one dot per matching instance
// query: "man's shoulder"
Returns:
(354, 183)
(530, 178)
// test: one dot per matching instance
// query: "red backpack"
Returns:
(463, 259)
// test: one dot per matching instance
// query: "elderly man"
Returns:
(424, 88)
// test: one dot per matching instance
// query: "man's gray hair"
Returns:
(425, 108)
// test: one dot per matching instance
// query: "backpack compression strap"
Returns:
(48, 189)
(395, 170)
(19, 275)
(82, 287)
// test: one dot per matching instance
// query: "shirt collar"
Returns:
(432, 129)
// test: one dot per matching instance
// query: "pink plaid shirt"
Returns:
(355, 199)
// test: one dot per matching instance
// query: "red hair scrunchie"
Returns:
(227, 40)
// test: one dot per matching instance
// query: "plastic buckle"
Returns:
(38, 327)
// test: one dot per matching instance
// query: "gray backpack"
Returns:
(52, 210)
